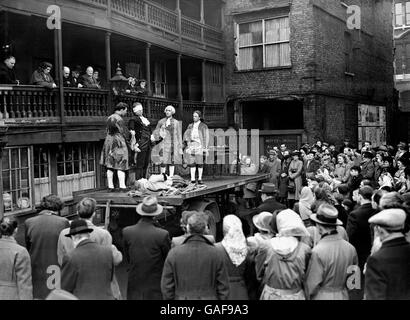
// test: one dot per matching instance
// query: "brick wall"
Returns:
(317, 41)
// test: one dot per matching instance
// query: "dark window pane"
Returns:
(69, 168)
(91, 165)
(76, 153)
(25, 178)
(37, 171)
(14, 158)
(24, 157)
(76, 166)
(5, 159)
(60, 169)
(15, 180)
(84, 166)
(6, 181)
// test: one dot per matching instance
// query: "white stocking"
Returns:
(171, 171)
(110, 176)
(121, 179)
(200, 171)
(193, 169)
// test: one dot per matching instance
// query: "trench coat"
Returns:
(283, 272)
(297, 177)
(146, 247)
(275, 167)
(87, 271)
(15, 271)
(388, 272)
(327, 273)
(41, 233)
(195, 270)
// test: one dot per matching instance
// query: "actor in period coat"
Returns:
(146, 247)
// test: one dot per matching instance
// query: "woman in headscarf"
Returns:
(281, 262)
(303, 207)
(236, 255)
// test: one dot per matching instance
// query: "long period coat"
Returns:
(146, 247)
(41, 233)
(329, 264)
(15, 271)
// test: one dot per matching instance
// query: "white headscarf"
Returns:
(234, 240)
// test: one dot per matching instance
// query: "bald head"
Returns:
(90, 71)
(66, 72)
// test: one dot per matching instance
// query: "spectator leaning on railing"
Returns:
(42, 77)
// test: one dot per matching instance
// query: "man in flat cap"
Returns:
(388, 269)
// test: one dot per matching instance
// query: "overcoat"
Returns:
(195, 270)
(146, 247)
(327, 273)
(15, 271)
(87, 271)
(388, 272)
(41, 233)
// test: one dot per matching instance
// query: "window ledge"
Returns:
(350, 74)
(263, 69)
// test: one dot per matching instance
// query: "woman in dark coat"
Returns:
(236, 255)
(42, 77)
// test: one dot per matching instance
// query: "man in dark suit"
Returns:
(388, 269)
(358, 228)
(269, 203)
(195, 270)
(146, 247)
(88, 270)
(88, 79)
(367, 166)
(41, 233)
(311, 165)
(140, 127)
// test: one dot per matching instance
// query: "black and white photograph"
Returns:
(228, 151)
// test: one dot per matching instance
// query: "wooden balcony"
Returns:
(159, 18)
(34, 105)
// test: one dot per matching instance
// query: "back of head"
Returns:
(86, 208)
(120, 106)
(197, 223)
(52, 203)
(366, 192)
(184, 218)
(391, 200)
(7, 226)
(343, 189)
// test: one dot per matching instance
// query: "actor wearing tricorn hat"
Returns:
(387, 271)
(146, 247)
(331, 259)
(87, 271)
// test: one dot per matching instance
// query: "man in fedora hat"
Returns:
(146, 247)
(388, 270)
(88, 270)
(269, 203)
(331, 259)
(195, 270)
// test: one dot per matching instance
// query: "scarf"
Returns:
(145, 121)
(234, 240)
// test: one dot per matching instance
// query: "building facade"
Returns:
(300, 73)
(51, 139)
(401, 23)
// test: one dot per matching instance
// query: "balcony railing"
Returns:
(39, 105)
(163, 19)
